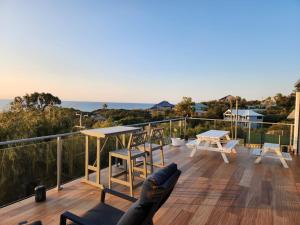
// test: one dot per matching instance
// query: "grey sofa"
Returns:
(155, 191)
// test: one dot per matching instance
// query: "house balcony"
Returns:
(209, 191)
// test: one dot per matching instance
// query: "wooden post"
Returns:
(296, 142)
(59, 163)
(291, 138)
(124, 162)
(249, 137)
(185, 126)
(237, 116)
(86, 157)
(124, 140)
(180, 124)
(170, 128)
(98, 161)
(149, 128)
(279, 139)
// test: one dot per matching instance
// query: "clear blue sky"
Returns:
(146, 51)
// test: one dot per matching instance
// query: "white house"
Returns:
(269, 102)
(200, 109)
(244, 115)
(164, 105)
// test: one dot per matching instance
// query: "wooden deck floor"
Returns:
(208, 192)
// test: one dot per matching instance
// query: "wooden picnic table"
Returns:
(102, 135)
(272, 150)
(214, 140)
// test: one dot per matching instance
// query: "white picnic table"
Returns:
(214, 140)
(102, 135)
(272, 150)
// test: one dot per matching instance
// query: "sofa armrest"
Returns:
(116, 193)
(70, 216)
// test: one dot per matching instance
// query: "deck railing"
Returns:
(65, 152)
(250, 133)
(55, 154)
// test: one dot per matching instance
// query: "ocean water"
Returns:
(4, 104)
(89, 106)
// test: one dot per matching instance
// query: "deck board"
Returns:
(208, 192)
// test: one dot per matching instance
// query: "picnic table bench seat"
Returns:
(258, 151)
(230, 145)
(227, 147)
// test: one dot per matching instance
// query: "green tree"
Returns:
(104, 106)
(34, 101)
(185, 107)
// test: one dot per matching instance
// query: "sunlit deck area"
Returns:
(209, 191)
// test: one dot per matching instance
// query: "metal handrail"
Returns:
(156, 122)
(25, 140)
(18, 141)
(240, 121)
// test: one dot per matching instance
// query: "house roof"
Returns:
(227, 97)
(98, 117)
(163, 104)
(200, 106)
(270, 101)
(244, 112)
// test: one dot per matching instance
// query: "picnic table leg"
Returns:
(285, 165)
(224, 157)
(282, 160)
(222, 153)
(193, 151)
(258, 160)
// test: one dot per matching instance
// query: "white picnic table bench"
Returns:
(271, 150)
(214, 140)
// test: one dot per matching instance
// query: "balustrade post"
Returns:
(291, 137)
(170, 128)
(185, 126)
(59, 163)
(249, 133)
(180, 127)
(279, 139)
(149, 128)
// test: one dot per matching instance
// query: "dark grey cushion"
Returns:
(168, 186)
(135, 215)
(153, 189)
(162, 175)
(103, 214)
